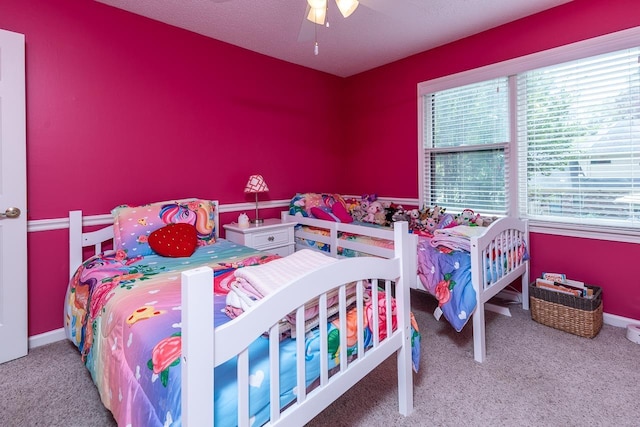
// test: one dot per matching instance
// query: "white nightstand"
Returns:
(272, 235)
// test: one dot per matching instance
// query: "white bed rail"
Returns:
(333, 240)
(78, 240)
(242, 331)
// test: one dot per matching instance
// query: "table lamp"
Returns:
(255, 185)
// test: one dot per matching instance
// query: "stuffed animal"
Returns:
(485, 221)
(430, 225)
(380, 217)
(400, 215)
(370, 198)
(390, 210)
(296, 207)
(437, 212)
(373, 209)
(466, 217)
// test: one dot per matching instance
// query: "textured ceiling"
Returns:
(377, 33)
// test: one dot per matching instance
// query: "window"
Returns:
(466, 134)
(579, 138)
(566, 121)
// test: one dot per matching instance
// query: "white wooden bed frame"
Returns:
(504, 228)
(236, 335)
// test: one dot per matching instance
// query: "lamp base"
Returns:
(257, 221)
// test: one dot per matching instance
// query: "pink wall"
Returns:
(381, 107)
(123, 109)
(155, 112)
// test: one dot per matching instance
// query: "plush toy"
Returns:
(370, 198)
(414, 214)
(430, 225)
(373, 209)
(400, 215)
(380, 217)
(437, 212)
(358, 213)
(390, 210)
(354, 207)
(485, 221)
(296, 207)
(466, 217)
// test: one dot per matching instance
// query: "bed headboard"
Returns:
(79, 240)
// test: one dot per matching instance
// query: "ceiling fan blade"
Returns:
(307, 28)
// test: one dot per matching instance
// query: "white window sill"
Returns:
(613, 234)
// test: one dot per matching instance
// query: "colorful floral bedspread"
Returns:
(446, 274)
(124, 316)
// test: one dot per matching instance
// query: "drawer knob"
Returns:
(271, 238)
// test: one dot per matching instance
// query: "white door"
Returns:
(13, 198)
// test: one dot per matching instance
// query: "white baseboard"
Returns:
(619, 321)
(47, 338)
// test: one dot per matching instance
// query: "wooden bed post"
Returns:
(197, 353)
(404, 250)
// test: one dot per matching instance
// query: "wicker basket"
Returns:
(576, 315)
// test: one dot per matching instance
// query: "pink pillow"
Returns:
(323, 213)
(133, 225)
(341, 213)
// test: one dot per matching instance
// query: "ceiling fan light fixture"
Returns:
(347, 7)
(317, 4)
(317, 16)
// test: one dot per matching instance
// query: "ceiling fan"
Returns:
(318, 9)
(317, 13)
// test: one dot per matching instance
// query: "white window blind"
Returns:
(465, 143)
(578, 127)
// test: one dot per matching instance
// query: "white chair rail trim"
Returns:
(104, 219)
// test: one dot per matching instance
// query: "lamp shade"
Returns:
(256, 184)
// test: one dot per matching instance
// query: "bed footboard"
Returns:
(332, 238)
(198, 356)
(498, 258)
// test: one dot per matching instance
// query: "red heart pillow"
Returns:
(174, 240)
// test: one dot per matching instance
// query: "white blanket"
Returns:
(268, 278)
(256, 282)
(456, 238)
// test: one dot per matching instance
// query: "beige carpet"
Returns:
(534, 375)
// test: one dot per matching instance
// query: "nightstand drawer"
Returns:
(271, 238)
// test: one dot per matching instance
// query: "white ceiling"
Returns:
(377, 33)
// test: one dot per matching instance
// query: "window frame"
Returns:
(624, 39)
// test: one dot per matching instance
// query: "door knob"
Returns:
(10, 213)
